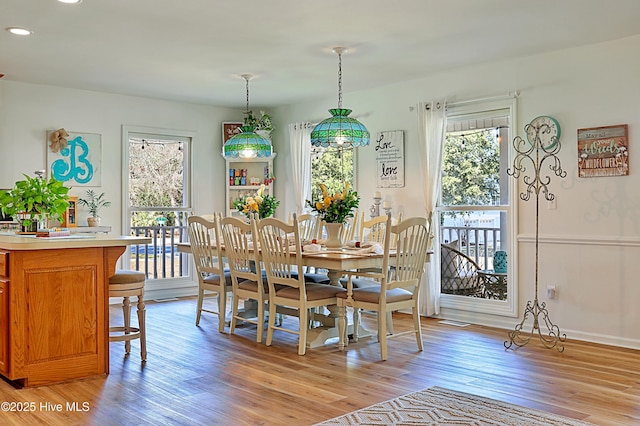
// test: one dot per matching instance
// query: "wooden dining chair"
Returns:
(213, 279)
(350, 227)
(373, 230)
(308, 227)
(282, 257)
(399, 282)
(244, 265)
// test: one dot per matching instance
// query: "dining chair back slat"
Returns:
(308, 227)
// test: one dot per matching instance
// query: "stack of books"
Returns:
(55, 232)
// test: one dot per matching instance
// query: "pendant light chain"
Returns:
(247, 86)
(340, 130)
(339, 79)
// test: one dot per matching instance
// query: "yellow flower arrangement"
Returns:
(261, 203)
(338, 207)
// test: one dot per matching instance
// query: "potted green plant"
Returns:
(94, 203)
(35, 199)
(262, 124)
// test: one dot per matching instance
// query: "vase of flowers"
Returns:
(335, 210)
(263, 204)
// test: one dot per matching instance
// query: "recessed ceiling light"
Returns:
(70, 1)
(19, 31)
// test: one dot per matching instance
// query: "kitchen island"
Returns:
(54, 296)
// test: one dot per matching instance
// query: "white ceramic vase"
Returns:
(93, 221)
(334, 234)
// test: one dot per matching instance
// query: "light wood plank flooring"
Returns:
(196, 375)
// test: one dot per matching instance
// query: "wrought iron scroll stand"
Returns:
(535, 152)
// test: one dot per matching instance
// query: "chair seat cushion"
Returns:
(253, 285)
(316, 278)
(127, 277)
(372, 295)
(215, 278)
(314, 291)
(360, 282)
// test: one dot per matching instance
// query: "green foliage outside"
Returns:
(470, 171)
(156, 179)
(333, 168)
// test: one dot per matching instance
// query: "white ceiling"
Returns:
(195, 50)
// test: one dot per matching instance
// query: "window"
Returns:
(332, 167)
(157, 199)
(475, 208)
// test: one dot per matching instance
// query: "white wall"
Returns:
(590, 245)
(28, 111)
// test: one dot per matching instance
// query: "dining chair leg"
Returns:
(222, 309)
(390, 322)
(272, 323)
(302, 336)
(200, 300)
(260, 325)
(234, 313)
(382, 334)
(416, 324)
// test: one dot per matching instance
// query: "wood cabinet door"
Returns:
(4, 326)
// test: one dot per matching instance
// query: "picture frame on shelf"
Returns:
(229, 129)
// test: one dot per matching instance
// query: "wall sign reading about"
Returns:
(603, 151)
(389, 148)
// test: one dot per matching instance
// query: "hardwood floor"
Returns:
(196, 375)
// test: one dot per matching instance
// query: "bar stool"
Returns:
(126, 284)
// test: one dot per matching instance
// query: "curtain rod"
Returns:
(509, 95)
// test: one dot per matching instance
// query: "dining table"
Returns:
(335, 261)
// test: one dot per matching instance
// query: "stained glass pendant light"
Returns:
(339, 130)
(247, 143)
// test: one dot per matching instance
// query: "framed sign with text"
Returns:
(229, 129)
(603, 151)
(389, 148)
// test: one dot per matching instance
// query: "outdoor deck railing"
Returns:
(160, 258)
(479, 243)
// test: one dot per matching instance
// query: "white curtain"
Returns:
(432, 122)
(300, 140)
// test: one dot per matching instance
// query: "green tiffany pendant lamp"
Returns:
(247, 143)
(339, 130)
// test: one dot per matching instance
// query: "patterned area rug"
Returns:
(439, 406)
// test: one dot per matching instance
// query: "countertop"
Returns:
(28, 242)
